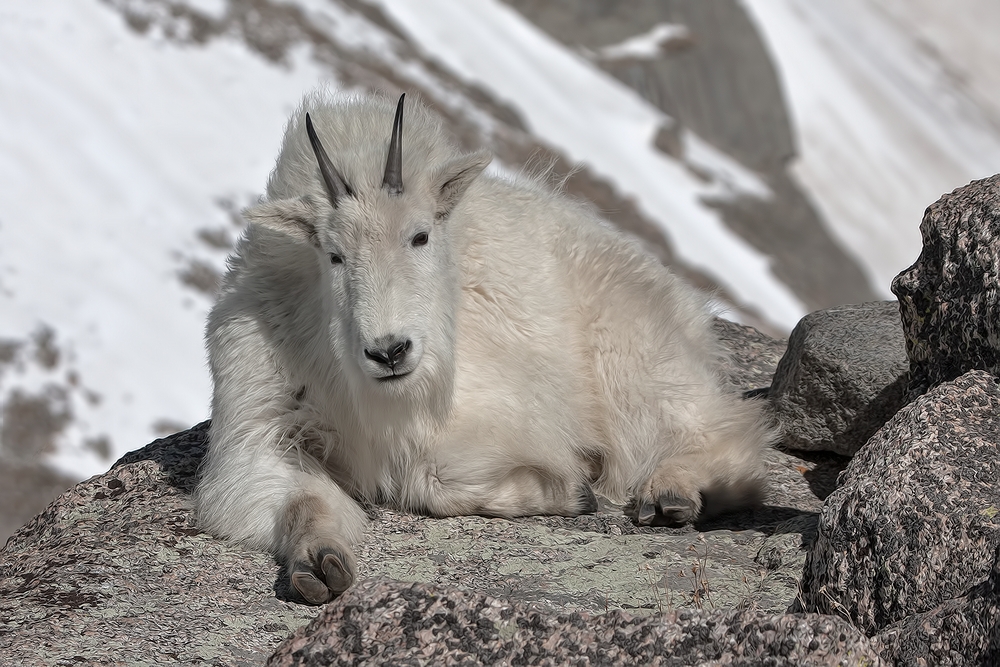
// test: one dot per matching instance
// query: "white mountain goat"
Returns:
(398, 328)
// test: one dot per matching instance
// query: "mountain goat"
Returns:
(397, 328)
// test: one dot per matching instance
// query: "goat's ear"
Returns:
(294, 217)
(454, 177)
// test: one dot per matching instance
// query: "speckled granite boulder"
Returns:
(383, 622)
(949, 298)
(843, 376)
(963, 631)
(116, 572)
(915, 520)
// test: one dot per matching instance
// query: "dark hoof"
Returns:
(309, 586)
(319, 583)
(586, 500)
(676, 511)
(646, 514)
(668, 510)
(339, 576)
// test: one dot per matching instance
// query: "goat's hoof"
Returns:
(310, 587)
(646, 513)
(338, 573)
(668, 509)
(675, 510)
(586, 500)
(321, 579)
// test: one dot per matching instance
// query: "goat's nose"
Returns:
(398, 351)
(392, 354)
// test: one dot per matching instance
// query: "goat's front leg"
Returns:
(252, 493)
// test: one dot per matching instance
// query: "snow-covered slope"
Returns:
(595, 119)
(115, 152)
(127, 146)
(890, 111)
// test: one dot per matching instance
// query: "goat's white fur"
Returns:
(549, 352)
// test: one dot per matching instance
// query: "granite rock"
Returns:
(117, 572)
(914, 522)
(949, 300)
(963, 631)
(843, 376)
(388, 622)
(752, 355)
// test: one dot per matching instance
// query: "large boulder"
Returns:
(915, 520)
(844, 375)
(949, 298)
(962, 631)
(391, 623)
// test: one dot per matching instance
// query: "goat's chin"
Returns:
(395, 381)
(403, 381)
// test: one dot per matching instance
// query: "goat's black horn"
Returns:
(336, 186)
(393, 179)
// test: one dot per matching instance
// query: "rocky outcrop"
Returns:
(914, 522)
(949, 298)
(116, 571)
(393, 623)
(844, 375)
(899, 565)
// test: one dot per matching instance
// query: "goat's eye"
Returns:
(420, 239)
(336, 259)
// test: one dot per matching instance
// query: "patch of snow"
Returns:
(213, 9)
(647, 46)
(883, 128)
(961, 35)
(729, 178)
(352, 30)
(345, 27)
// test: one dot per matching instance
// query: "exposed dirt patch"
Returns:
(31, 422)
(201, 276)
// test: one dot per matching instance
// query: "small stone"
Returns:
(843, 376)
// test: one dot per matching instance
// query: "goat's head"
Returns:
(386, 251)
